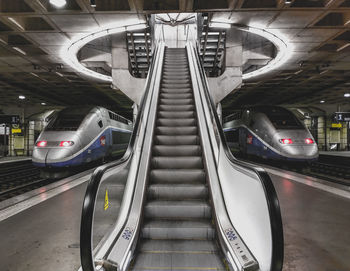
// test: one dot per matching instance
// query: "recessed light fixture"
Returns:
(19, 50)
(43, 103)
(15, 22)
(58, 3)
(343, 47)
(322, 101)
(59, 74)
(287, 2)
(346, 95)
(220, 25)
(21, 97)
(93, 3)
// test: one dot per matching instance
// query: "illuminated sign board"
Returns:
(342, 116)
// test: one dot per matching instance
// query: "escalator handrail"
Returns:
(87, 216)
(270, 192)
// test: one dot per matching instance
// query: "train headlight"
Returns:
(41, 143)
(309, 141)
(66, 143)
(286, 141)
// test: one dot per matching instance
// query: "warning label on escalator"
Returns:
(106, 201)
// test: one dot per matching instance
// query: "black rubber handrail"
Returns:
(269, 189)
(87, 216)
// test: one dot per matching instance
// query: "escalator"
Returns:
(177, 232)
(183, 201)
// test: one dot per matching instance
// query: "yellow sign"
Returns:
(336, 125)
(16, 131)
(106, 201)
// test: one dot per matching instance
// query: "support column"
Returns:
(231, 79)
(122, 79)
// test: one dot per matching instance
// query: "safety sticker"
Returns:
(106, 201)
(127, 233)
(230, 234)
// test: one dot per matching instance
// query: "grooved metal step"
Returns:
(170, 150)
(167, 209)
(178, 229)
(177, 140)
(177, 191)
(177, 162)
(177, 176)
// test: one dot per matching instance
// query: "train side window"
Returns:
(100, 123)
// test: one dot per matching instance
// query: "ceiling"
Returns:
(32, 33)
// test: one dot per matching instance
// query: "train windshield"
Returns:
(281, 118)
(68, 119)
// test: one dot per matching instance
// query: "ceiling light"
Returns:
(297, 72)
(347, 22)
(219, 25)
(322, 101)
(58, 3)
(43, 103)
(93, 3)
(287, 2)
(4, 42)
(15, 22)
(70, 50)
(343, 47)
(347, 95)
(19, 50)
(59, 74)
(21, 97)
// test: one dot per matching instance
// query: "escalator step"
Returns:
(176, 122)
(181, 229)
(177, 176)
(176, 114)
(184, 209)
(176, 101)
(177, 140)
(177, 191)
(185, 150)
(176, 96)
(177, 162)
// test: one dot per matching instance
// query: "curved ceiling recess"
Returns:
(284, 51)
(69, 51)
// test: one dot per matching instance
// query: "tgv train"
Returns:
(80, 135)
(269, 132)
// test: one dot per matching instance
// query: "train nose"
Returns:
(39, 156)
(58, 155)
(301, 151)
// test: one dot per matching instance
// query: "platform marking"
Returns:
(310, 181)
(26, 204)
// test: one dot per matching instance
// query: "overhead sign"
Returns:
(16, 131)
(9, 119)
(342, 116)
(336, 125)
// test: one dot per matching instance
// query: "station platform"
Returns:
(336, 153)
(10, 159)
(45, 237)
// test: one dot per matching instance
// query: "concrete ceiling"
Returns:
(319, 31)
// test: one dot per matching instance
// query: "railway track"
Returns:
(19, 177)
